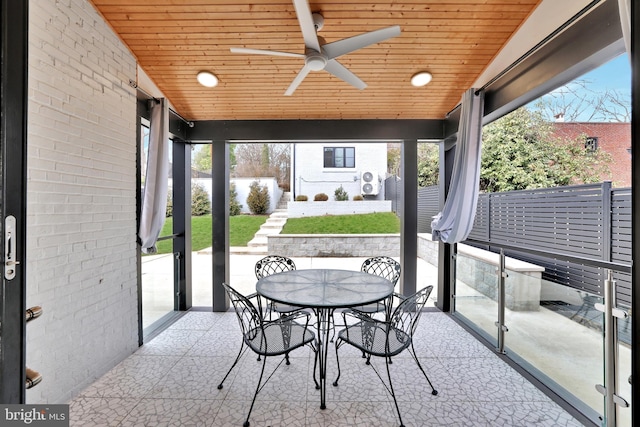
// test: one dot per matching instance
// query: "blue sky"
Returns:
(614, 76)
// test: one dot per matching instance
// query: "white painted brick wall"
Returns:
(329, 207)
(81, 244)
(310, 177)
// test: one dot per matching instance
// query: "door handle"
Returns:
(10, 261)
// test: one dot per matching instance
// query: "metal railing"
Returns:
(609, 308)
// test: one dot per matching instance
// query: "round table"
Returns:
(324, 291)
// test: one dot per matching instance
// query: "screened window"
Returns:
(339, 157)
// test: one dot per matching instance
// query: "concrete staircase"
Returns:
(273, 225)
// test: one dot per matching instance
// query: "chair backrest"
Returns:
(273, 264)
(248, 316)
(382, 266)
(407, 314)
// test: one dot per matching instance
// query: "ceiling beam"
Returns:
(315, 130)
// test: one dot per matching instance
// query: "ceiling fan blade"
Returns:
(339, 70)
(299, 78)
(265, 52)
(303, 12)
(344, 46)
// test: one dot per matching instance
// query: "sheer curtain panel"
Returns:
(156, 186)
(455, 222)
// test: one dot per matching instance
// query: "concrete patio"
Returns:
(528, 330)
(172, 381)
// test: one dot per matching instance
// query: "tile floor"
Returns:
(172, 381)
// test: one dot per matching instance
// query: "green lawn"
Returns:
(375, 223)
(242, 228)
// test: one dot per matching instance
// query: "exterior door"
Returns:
(13, 142)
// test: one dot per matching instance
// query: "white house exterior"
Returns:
(323, 167)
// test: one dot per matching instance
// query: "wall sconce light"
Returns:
(421, 78)
(207, 79)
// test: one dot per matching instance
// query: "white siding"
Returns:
(81, 223)
(310, 177)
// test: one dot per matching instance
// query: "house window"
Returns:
(591, 144)
(339, 157)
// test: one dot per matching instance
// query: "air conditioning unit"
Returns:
(369, 184)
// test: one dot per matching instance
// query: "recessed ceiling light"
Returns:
(421, 78)
(208, 79)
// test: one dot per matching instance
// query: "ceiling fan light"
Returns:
(421, 79)
(207, 79)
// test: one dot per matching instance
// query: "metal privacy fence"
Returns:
(585, 221)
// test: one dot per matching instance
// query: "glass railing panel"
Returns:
(476, 293)
(557, 331)
(157, 287)
(201, 278)
(624, 366)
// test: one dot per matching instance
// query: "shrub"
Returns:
(320, 197)
(341, 195)
(258, 198)
(301, 198)
(200, 203)
(234, 206)
(358, 197)
(169, 205)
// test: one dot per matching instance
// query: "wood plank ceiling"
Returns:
(174, 39)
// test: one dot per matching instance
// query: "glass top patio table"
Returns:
(324, 288)
(324, 291)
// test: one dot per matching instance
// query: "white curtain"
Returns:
(455, 222)
(624, 7)
(154, 204)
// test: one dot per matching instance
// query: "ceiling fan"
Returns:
(320, 56)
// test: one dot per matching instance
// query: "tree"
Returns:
(200, 203)
(519, 152)
(577, 101)
(234, 206)
(261, 160)
(202, 158)
(428, 164)
(393, 160)
(258, 198)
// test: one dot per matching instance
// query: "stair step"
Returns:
(273, 224)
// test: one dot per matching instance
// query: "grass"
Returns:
(375, 223)
(242, 228)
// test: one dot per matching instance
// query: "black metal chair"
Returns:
(266, 337)
(387, 338)
(272, 264)
(382, 266)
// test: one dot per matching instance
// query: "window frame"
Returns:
(345, 157)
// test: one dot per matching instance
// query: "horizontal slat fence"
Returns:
(590, 221)
(586, 221)
(428, 207)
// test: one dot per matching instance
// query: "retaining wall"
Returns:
(312, 208)
(475, 267)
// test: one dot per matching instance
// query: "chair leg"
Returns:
(264, 363)
(393, 394)
(316, 361)
(413, 354)
(335, 382)
(235, 362)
